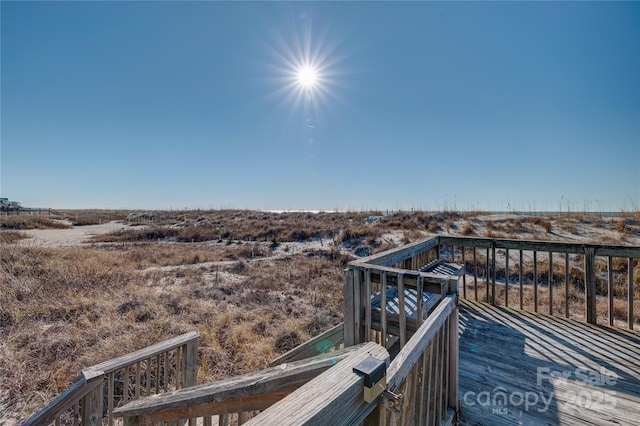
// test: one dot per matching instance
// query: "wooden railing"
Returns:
(422, 383)
(155, 369)
(31, 211)
(561, 272)
(233, 400)
(425, 372)
(377, 288)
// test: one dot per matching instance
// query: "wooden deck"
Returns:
(508, 358)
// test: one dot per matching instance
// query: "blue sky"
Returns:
(158, 105)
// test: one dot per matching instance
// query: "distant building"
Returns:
(6, 205)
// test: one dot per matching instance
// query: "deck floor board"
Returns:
(507, 357)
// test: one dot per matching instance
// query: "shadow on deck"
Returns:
(518, 367)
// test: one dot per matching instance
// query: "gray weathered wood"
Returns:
(64, 401)
(521, 280)
(367, 305)
(475, 273)
(590, 284)
(401, 311)
(454, 360)
(320, 344)
(505, 347)
(349, 308)
(506, 278)
(408, 356)
(610, 289)
(566, 285)
(327, 399)
(137, 356)
(92, 405)
(630, 293)
(393, 256)
(383, 309)
(535, 281)
(464, 276)
(486, 279)
(493, 275)
(247, 392)
(550, 281)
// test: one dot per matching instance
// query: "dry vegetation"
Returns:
(253, 284)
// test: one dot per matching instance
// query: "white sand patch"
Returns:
(70, 237)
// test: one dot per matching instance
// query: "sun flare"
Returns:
(307, 77)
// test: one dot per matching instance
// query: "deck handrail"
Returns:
(589, 251)
(245, 393)
(65, 401)
(143, 354)
(324, 342)
(430, 358)
(332, 398)
(84, 400)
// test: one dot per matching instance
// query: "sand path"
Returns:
(69, 237)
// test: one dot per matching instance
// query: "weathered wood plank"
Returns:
(320, 344)
(401, 312)
(590, 284)
(408, 356)
(550, 283)
(150, 351)
(630, 293)
(349, 308)
(383, 309)
(506, 278)
(493, 274)
(65, 401)
(475, 273)
(610, 289)
(325, 399)
(92, 405)
(399, 254)
(535, 281)
(521, 280)
(367, 305)
(566, 286)
(504, 348)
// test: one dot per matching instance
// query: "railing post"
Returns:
(590, 283)
(191, 371)
(493, 273)
(349, 309)
(630, 293)
(92, 404)
(453, 360)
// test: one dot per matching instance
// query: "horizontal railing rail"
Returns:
(324, 342)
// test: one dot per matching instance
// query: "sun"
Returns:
(307, 77)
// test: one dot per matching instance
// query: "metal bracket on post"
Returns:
(392, 401)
